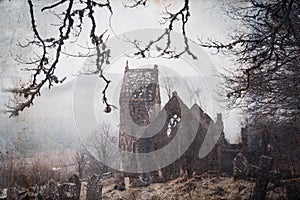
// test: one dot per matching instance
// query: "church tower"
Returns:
(139, 104)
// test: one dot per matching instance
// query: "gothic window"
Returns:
(172, 124)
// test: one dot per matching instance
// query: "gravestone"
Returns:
(39, 196)
(240, 166)
(94, 188)
(127, 182)
(12, 193)
(75, 179)
(47, 191)
(51, 192)
(67, 191)
(262, 175)
(71, 189)
(293, 189)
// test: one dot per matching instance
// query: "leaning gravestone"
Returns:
(262, 178)
(240, 166)
(94, 188)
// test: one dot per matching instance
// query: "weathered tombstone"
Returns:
(17, 193)
(293, 189)
(83, 189)
(67, 191)
(75, 179)
(143, 181)
(262, 178)
(127, 182)
(3, 194)
(120, 186)
(275, 177)
(71, 189)
(12, 193)
(240, 166)
(39, 196)
(51, 190)
(94, 188)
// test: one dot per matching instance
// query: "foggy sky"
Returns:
(207, 20)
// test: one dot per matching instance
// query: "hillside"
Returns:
(206, 186)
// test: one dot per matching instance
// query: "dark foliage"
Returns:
(266, 81)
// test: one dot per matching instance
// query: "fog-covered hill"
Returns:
(51, 119)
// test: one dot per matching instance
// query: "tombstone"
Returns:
(17, 193)
(94, 188)
(51, 190)
(83, 189)
(67, 191)
(71, 189)
(240, 166)
(275, 177)
(293, 189)
(262, 175)
(39, 196)
(127, 182)
(12, 193)
(120, 186)
(75, 179)
(3, 194)
(143, 181)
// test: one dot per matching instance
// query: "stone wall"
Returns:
(189, 162)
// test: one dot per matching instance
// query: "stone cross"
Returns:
(262, 175)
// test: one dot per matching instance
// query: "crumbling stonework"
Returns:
(189, 162)
(140, 103)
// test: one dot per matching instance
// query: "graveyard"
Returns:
(261, 166)
(149, 100)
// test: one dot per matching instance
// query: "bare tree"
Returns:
(266, 80)
(72, 15)
(170, 83)
(97, 142)
(81, 160)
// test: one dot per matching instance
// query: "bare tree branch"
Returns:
(267, 54)
(44, 70)
(43, 65)
(136, 3)
(167, 50)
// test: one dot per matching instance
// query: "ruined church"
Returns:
(140, 106)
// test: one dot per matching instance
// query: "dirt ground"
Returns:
(206, 186)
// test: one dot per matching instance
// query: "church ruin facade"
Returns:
(140, 106)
